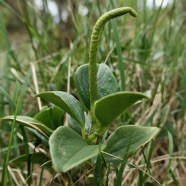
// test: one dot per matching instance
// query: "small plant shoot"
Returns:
(89, 119)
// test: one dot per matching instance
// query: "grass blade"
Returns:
(5, 165)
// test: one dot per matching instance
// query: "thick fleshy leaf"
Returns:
(67, 102)
(110, 107)
(32, 123)
(128, 138)
(52, 117)
(68, 149)
(82, 84)
(72, 123)
(107, 83)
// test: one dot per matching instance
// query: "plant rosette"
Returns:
(90, 119)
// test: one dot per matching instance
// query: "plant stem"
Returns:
(5, 166)
(94, 46)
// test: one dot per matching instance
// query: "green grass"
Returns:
(146, 53)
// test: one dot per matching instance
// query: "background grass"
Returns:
(146, 53)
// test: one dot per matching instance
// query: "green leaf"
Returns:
(110, 107)
(82, 83)
(30, 122)
(52, 117)
(127, 139)
(67, 102)
(2, 91)
(107, 83)
(72, 123)
(68, 149)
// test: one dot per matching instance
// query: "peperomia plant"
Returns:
(88, 120)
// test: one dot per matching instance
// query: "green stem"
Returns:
(6, 161)
(94, 46)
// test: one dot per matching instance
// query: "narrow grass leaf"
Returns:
(5, 163)
(12, 105)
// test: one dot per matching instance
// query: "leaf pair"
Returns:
(109, 105)
(68, 149)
